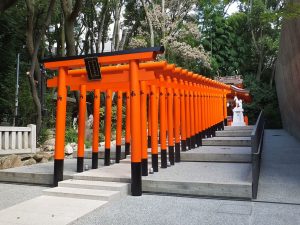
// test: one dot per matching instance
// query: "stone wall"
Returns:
(288, 76)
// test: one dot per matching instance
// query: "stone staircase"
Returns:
(219, 168)
(233, 144)
(88, 189)
(69, 201)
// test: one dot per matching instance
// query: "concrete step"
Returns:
(217, 154)
(239, 127)
(103, 195)
(127, 161)
(231, 180)
(213, 179)
(119, 172)
(98, 185)
(48, 210)
(88, 153)
(227, 141)
(233, 133)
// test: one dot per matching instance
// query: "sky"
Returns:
(233, 8)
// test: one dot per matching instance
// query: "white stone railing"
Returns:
(14, 140)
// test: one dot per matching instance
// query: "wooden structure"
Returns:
(162, 100)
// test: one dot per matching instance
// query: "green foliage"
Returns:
(71, 135)
(263, 98)
(221, 39)
(88, 144)
(44, 134)
(12, 41)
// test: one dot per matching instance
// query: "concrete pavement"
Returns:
(171, 210)
(278, 201)
(279, 183)
(280, 168)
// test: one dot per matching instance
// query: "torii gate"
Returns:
(64, 65)
(190, 107)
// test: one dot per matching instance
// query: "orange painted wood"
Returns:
(60, 124)
(119, 119)
(81, 121)
(96, 121)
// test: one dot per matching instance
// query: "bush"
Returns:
(71, 135)
(263, 98)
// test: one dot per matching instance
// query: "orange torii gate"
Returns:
(190, 107)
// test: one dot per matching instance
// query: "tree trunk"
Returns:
(69, 36)
(101, 26)
(33, 48)
(163, 28)
(115, 36)
(273, 74)
(259, 67)
(62, 37)
(5, 4)
(70, 15)
(149, 23)
(123, 39)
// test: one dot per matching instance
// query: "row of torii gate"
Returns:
(162, 100)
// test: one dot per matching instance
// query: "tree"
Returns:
(149, 21)
(264, 31)
(5, 4)
(70, 14)
(33, 44)
(175, 27)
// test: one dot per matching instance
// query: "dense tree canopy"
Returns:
(199, 35)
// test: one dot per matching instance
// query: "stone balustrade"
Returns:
(14, 140)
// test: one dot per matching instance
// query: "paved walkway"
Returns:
(279, 182)
(280, 168)
(167, 210)
(278, 200)
(12, 194)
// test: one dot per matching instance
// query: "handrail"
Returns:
(257, 145)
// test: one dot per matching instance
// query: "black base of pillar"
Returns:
(136, 179)
(80, 164)
(149, 141)
(193, 141)
(144, 167)
(188, 143)
(215, 128)
(209, 132)
(199, 139)
(203, 134)
(127, 149)
(177, 152)
(94, 160)
(107, 157)
(225, 122)
(163, 154)
(118, 153)
(171, 155)
(58, 171)
(212, 130)
(155, 162)
(183, 145)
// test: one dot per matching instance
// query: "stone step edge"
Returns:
(95, 185)
(76, 193)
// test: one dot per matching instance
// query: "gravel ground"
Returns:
(11, 194)
(170, 210)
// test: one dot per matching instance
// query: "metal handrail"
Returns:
(257, 144)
